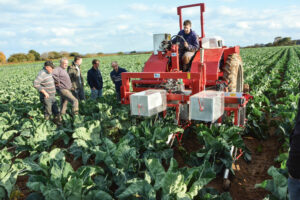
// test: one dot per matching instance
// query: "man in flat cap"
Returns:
(44, 83)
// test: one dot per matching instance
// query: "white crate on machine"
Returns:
(148, 102)
(207, 106)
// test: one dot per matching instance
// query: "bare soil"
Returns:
(247, 174)
(21, 185)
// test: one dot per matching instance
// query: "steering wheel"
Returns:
(180, 36)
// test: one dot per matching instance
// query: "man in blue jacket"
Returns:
(95, 80)
(187, 47)
(293, 162)
(115, 76)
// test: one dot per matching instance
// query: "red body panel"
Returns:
(156, 63)
(212, 58)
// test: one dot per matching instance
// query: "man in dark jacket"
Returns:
(188, 46)
(293, 162)
(74, 72)
(95, 80)
(115, 76)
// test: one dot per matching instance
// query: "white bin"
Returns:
(207, 106)
(148, 103)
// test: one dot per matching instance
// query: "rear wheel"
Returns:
(233, 73)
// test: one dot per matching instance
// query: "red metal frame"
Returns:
(202, 10)
(197, 81)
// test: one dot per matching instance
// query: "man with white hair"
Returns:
(115, 76)
(63, 86)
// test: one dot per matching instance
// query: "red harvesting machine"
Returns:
(214, 78)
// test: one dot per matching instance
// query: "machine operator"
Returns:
(187, 48)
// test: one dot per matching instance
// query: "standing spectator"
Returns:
(95, 80)
(293, 162)
(64, 85)
(115, 76)
(44, 83)
(76, 78)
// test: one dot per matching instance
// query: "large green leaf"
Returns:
(277, 186)
(140, 189)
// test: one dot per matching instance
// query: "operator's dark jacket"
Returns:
(192, 39)
(293, 162)
(94, 78)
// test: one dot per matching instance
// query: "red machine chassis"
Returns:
(197, 82)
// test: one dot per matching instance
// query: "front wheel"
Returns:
(233, 73)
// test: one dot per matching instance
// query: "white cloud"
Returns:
(190, 12)
(54, 2)
(63, 31)
(4, 33)
(165, 10)
(243, 25)
(61, 42)
(3, 43)
(139, 7)
(9, 2)
(275, 25)
(229, 1)
(233, 12)
(124, 17)
(122, 27)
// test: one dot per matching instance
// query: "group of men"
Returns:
(68, 82)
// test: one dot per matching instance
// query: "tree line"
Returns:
(33, 55)
(278, 41)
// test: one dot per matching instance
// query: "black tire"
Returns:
(233, 73)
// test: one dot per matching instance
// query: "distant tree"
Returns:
(36, 54)
(120, 53)
(44, 56)
(269, 44)
(100, 53)
(73, 54)
(18, 57)
(54, 55)
(277, 39)
(90, 55)
(132, 52)
(64, 54)
(2, 58)
(285, 42)
(30, 57)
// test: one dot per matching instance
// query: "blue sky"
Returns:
(111, 26)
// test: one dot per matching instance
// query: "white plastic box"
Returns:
(148, 103)
(157, 39)
(207, 106)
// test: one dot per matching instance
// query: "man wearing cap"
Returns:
(44, 83)
(63, 85)
(76, 78)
